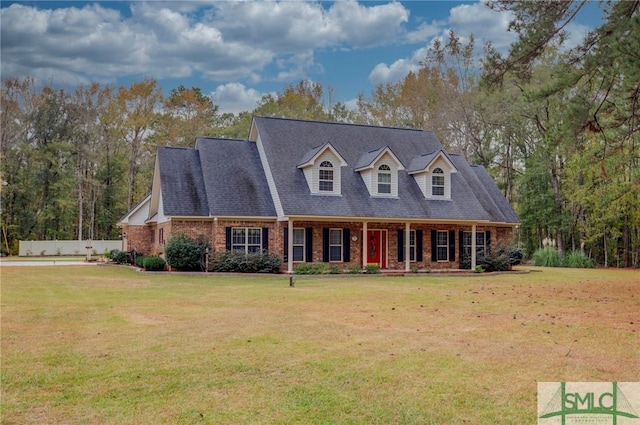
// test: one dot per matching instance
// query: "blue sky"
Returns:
(238, 51)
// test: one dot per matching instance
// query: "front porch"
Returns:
(395, 247)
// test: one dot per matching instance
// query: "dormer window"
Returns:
(384, 179)
(322, 170)
(432, 172)
(437, 182)
(379, 172)
(325, 177)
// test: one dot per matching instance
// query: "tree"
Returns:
(186, 114)
(587, 115)
(136, 114)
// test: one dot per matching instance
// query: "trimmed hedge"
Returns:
(239, 262)
(153, 264)
(309, 268)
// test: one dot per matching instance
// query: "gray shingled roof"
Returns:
(183, 190)
(421, 162)
(224, 177)
(281, 137)
(310, 154)
(367, 158)
(236, 184)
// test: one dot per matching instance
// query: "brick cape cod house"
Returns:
(324, 192)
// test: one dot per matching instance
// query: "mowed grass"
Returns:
(108, 345)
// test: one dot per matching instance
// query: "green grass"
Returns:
(108, 345)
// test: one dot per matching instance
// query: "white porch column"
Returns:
(365, 244)
(473, 246)
(407, 247)
(290, 246)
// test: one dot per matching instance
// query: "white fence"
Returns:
(43, 248)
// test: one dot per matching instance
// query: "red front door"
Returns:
(377, 247)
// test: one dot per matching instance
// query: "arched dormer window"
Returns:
(384, 179)
(437, 182)
(325, 177)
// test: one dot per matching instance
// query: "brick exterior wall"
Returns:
(141, 239)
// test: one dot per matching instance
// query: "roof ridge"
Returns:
(343, 123)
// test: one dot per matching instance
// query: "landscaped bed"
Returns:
(108, 345)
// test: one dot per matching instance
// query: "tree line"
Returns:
(557, 129)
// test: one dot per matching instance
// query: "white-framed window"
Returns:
(437, 182)
(299, 248)
(335, 245)
(246, 239)
(442, 245)
(481, 244)
(325, 177)
(412, 245)
(384, 179)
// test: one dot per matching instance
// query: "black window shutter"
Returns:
(452, 245)
(434, 245)
(487, 238)
(418, 245)
(400, 245)
(325, 244)
(286, 245)
(309, 244)
(227, 238)
(460, 244)
(265, 238)
(346, 245)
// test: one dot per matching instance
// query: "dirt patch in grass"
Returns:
(112, 346)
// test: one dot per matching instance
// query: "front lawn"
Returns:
(109, 345)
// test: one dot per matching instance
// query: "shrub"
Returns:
(550, 257)
(140, 260)
(118, 256)
(357, 269)
(184, 253)
(239, 262)
(577, 259)
(546, 257)
(227, 261)
(478, 269)
(501, 258)
(497, 259)
(334, 269)
(309, 268)
(153, 263)
(263, 262)
(372, 269)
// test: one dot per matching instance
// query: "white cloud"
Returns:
(383, 73)
(222, 41)
(484, 23)
(362, 26)
(576, 34)
(466, 19)
(235, 97)
(424, 32)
